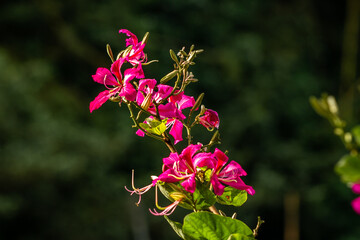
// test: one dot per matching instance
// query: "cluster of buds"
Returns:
(196, 177)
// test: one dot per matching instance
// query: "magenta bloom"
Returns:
(210, 119)
(229, 175)
(116, 84)
(183, 167)
(136, 54)
(356, 188)
(172, 109)
(356, 205)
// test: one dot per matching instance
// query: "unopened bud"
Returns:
(173, 56)
(177, 196)
(333, 108)
(147, 101)
(145, 38)
(347, 137)
(169, 76)
(109, 52)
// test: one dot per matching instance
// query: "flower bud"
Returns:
(147, 101)
(177, 196)
(210, 120)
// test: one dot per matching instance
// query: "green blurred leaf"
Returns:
(176, 226)
(356, 134)
(349, 168)
(206, 225)
(232, 196)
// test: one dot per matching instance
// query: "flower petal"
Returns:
(356, 188)
(356, 205)
(104, 76)
(176, 131)
(100, 100)
(132, 39)
(218, 187)
(189, 184)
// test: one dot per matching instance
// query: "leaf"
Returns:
(203, 197)
(167, 188)
(206, 225)
(349, 168)
(356, 133)
(239, 236)
(154, 126)
(232, 196)
(176, 226)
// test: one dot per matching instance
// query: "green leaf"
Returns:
(232, 196)
(167, 188)
(206, 225)
(176, 226)
(356, 133)
(239, 236)
(349, 168)
(203, 197)
(154, 126)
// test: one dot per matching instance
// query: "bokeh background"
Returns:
(63, 170)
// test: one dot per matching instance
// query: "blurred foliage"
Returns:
(62, 169)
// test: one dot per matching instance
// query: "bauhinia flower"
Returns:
(210, 119)
(116, 84)
(172, 110)
(184, 167)
(136, 55)
(229, 175)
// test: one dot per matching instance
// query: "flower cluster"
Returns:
(168, 110)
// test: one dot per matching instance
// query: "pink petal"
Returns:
(171, 160)
(167, 111)
(356, 188)
(218, 187)
(204, 160)
(356, 205)
(104, 76)
(186, 102)
(189, 184)
(232, 170)
(176, 131)
(238, 184)
(132, 40)
(129, 92)
(221, 159)
(100, 100)
(116, 68)
(169, 176)
(140, 133)
(147, 84)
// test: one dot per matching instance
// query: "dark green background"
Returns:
(63, 170)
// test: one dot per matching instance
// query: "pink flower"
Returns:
(229, 175)
(184, 167)
(356, 188)
(356, 205)
(121, 86)
(210, 119)
(136, 55)
(172, 109)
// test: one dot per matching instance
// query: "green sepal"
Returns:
(349, 168)
(206, 225)
(232, 196)
(154, 126)
(176, 226)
